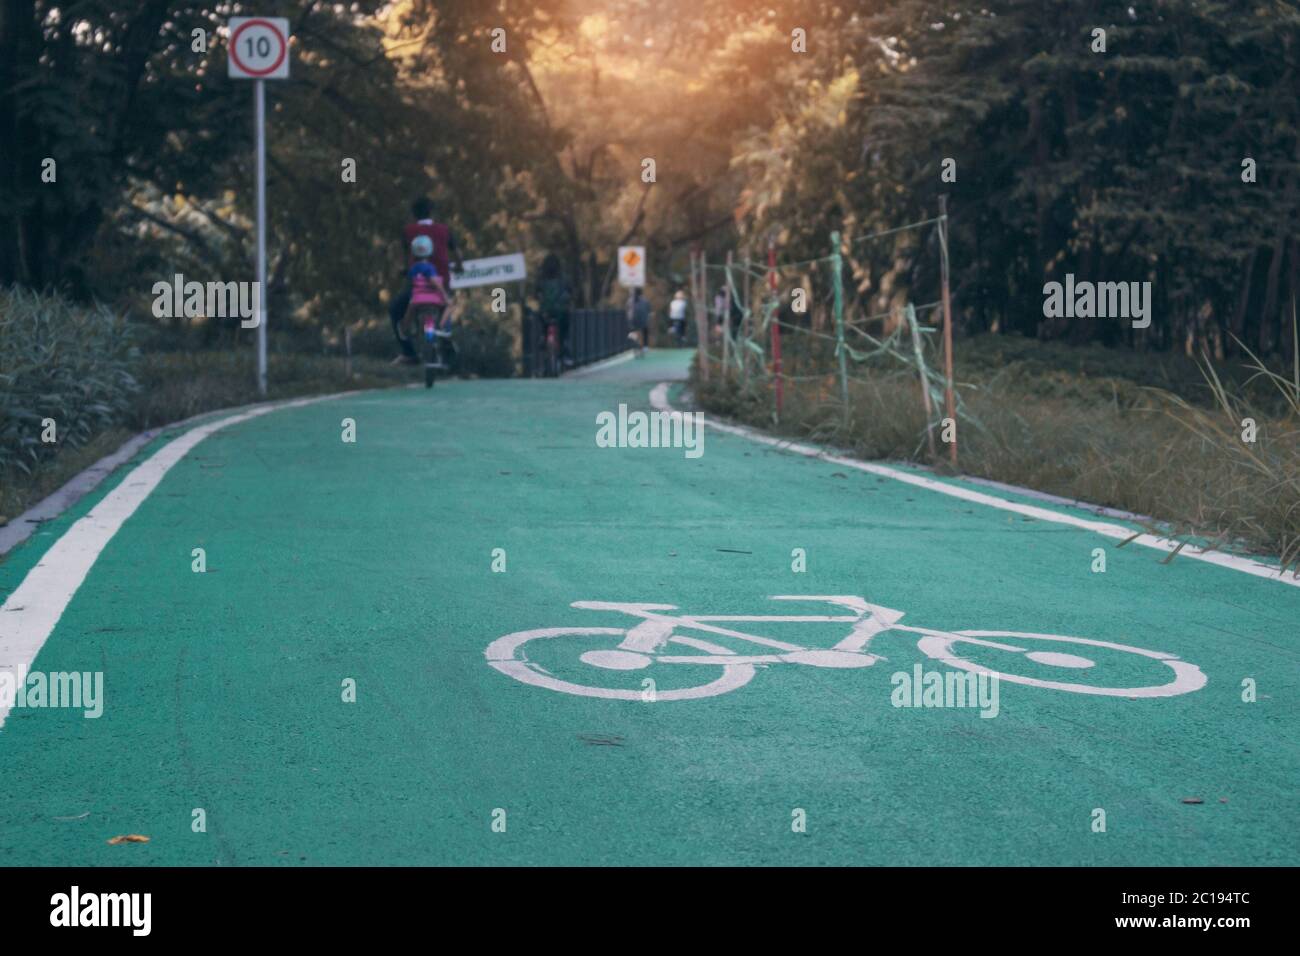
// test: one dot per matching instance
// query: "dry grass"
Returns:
(1257, 494)
(1158, 436)
(176, 385)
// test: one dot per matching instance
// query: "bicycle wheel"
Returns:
(428, 345)
(940, 645)
(509, 655)
(539, 360)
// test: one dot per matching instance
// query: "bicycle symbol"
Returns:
(657, 642)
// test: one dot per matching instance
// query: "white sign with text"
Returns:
(490, 271)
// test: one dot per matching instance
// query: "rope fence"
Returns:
(796, 323)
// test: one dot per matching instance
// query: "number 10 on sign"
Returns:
(259, 50)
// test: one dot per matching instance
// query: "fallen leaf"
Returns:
(129, 838)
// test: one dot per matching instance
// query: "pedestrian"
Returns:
(677, 317)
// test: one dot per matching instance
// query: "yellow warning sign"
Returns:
(631, 266)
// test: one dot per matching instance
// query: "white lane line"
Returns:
(30, 613)
(659, 400)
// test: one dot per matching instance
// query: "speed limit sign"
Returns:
(259, 48)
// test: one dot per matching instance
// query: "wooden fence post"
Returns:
(949, 403)
(837, 285)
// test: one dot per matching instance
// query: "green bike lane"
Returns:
(372, 562)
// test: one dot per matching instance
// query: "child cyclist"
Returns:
(426, 284)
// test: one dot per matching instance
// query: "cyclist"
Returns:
(444, 248)
(554, 297)
(427, 287)
(639, 319)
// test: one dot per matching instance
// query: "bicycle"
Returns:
(643, 645)
(547, 351)
(435, 347)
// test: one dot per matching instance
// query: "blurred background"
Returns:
(1171, 157)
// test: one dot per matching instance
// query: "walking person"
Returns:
(677, 317)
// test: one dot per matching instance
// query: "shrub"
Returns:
(485, 340)
(63, 362)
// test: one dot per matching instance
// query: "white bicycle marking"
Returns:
(501, 655)
(1187, 677)
(640, 648)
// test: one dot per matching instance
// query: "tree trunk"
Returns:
(1287, 316)
(1271, 313)
(1238, 326)
(1041, 209)
(20, 45)
(1265, 340)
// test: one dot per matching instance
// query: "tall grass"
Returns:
(61, 364)
(1057, 424)
(1257, 454)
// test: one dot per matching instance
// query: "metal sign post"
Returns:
(259, 50)
(259, 110)
(631, 275)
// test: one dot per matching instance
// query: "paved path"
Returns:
(373, 562)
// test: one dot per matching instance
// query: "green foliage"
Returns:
(1122, 165)
(154, 151)
(485, 340)
(62, 362)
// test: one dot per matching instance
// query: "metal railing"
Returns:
(593, 334)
